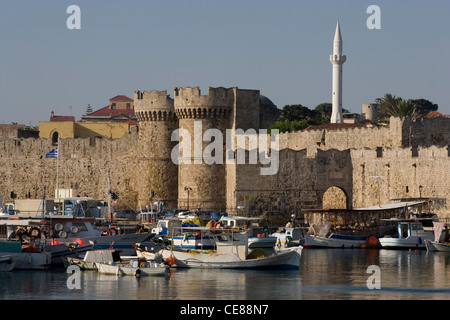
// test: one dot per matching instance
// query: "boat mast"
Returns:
(109, 198)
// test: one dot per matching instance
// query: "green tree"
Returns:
(403, 109)
(424, 106)
(386, 103)
(325, 107)
(297, 117)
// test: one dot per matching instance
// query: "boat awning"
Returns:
(396, 205)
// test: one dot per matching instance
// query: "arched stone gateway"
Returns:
(335, 198)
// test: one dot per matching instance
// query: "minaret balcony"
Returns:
(338, 58)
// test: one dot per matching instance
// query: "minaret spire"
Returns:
(337, 59)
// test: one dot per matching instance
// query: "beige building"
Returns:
(110, 122)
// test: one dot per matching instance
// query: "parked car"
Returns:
(128, 214)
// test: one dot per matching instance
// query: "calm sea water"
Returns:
(325, 274)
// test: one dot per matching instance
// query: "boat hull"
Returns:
(287, 259)
(437, 246)
(31, 260)
(7, 263)
(261, 242)
(334, 242)
(127, 270)
(123, 242)
(412, 242)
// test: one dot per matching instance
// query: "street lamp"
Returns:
(187, 189)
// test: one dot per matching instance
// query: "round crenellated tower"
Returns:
(157, 121)
(202, 184)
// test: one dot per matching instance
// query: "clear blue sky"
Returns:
(279, 47)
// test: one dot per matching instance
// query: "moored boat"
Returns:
(232, 253)
(338, 241)
(257, 237)
(7, 263)
(290, 237)
(441, 241)
(409, 234)
(88, 262)
(134, 268)
(27, 256)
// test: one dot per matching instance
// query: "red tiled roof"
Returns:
(434, 114)
(106, 111)
(121, 98)
(62, 118)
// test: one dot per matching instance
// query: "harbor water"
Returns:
(324, 274)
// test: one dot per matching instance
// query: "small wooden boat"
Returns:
(7, 263)
(135, 268)
(335, 241)
(232, 253)
(88, 262)
(437, 246)
(441, 238)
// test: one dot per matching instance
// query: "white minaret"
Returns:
(337, 59)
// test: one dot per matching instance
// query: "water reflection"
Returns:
(324, 274)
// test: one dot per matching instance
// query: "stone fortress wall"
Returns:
(364, 165)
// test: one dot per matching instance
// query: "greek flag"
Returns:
(52, 154)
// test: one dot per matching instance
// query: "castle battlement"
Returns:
(153, 106)
(189, 97)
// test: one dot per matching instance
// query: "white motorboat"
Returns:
(409, 234)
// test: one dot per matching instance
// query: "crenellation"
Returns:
(343, 165)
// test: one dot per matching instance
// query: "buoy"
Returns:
(171, 260)
(373, 241)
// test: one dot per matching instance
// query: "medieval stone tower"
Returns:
(201, 183)
(157, 121)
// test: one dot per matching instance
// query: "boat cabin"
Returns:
(403, 229)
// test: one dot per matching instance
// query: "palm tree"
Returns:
(392, 106)
(403, 109)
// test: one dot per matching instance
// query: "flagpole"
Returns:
(57, 170)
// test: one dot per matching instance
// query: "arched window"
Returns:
(55, 138)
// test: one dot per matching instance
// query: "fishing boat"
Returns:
(7, 263)
(28, 256)
(437, 246)
(232, 253)
(291, 237)
(135, 267)
(441, 241)
(184, 235)
(258, 236)
(88, 262)
(408, 234)
(334, 240)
